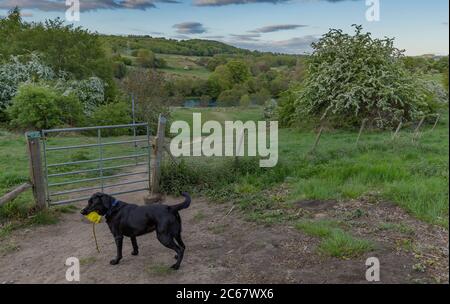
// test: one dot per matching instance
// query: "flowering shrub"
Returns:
(356, 77)
(91, 92)
(15, 72)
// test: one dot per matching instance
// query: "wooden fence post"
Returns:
(363, 124)
(316, 142)
(397, 130)
(36, 171)
(417, 130)
(156, 160)
(436, 122)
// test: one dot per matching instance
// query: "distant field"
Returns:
(184, 66)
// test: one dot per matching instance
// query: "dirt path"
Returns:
(225, 248)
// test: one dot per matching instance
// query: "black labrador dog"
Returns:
(132, 220)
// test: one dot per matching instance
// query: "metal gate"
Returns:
(61, 174)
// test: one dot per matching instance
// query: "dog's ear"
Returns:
(106, 200)
(94, 197)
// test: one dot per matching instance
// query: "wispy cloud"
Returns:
(228, 2)
(85, 5)
(296, 45)
(277, 27)
(245, 37)
(190, 28)
(214, 37)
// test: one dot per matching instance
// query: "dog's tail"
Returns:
(183, 205)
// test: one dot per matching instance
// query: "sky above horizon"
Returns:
(287, 26)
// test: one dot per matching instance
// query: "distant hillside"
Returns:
(193, 47)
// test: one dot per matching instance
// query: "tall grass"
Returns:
(413, 175)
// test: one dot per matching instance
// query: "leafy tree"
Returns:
(352, 77)
(261, 97)
(91, 91)
(35, 107)
(71, 110)
(145, 58)
(117, 113)
(16, 71)
(150, 94)
(245, 101)
(120, 69)
(230, 98)
(67, 49)
(238, 71)
(445, 79)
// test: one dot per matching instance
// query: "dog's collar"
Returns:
(113, 204)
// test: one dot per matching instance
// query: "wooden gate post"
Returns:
(36, 171)
(156, 160)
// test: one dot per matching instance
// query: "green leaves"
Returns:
(356, 77)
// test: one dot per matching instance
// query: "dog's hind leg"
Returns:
(135, 246)
(168, 241)
(180, 243)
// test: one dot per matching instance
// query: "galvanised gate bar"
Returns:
(140, 155)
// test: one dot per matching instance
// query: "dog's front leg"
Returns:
(119, 241)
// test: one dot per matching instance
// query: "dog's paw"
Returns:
(114, 261)
(175, 266)
(134, 252)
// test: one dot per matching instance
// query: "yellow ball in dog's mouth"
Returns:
(94, 217)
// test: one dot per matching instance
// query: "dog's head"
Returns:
(99, 202)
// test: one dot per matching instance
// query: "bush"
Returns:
(245, 101)
(229, 98)
(35, 107)
(261, 97)
(120, 69)
(145, 58)
(91, 92)
(204, 100)
(351, 78)
(150, 94)
(112, 114)
(19, 70)
(71, 110)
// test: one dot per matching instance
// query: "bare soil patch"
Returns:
(225, 248)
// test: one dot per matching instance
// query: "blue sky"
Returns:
(420, 26)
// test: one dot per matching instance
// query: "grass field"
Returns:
(14, 171)
(412, 175)
(183, 66)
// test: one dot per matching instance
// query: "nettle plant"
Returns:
(356, 77)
